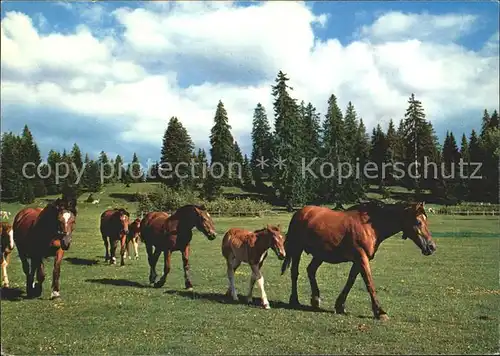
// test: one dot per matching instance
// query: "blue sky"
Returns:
(109, 75)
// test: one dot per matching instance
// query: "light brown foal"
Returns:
(239, 245)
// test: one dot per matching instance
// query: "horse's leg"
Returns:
(56, 274)
(106, 247)
(340, 302)
(232, 264)
(36, 265)
(114, 246)
(136, 248)
(123, 241)
(294, 275)
(257, 275)
(185, 265)
(311, 273)
(251, 286)
(5, 263)
(153, 260)
(166, 269)
(366, 272)
(26, 270)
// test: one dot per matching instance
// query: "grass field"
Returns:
(445, 303)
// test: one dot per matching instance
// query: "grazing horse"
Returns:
(239, 245)
(351, 236)
(133, 238)
(173, 233)
(7, 236)
(114, 225)
(40, 233)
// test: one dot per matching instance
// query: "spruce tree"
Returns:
(333, 153)
(237, 167)
(261, 147)
(118, 169)
(476, 186)
(494, 124)
(312, 150)
(11, 176)
(362, 152)
(103, 164)
(392, 147)
(379, 154)
(221, 152)
(463, 189)
(176, 152)
(247, 174)
(201, 167)
(419, 141)
(30, 154)
(288, 179)
(135, 169)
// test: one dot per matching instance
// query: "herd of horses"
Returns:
(330, 236)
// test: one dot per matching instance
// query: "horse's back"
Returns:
(152, 224)
(24, 220)
(235, 239)
(320, 229)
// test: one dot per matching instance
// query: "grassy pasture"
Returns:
(446, 303)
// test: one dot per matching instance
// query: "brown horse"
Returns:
(351, 236)
(40, 233)
(7, 236)
(173, 233)
(133, 238)
(239, 245)
(114, 225)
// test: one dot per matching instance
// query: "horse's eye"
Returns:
(418, 222)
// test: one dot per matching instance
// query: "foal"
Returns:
(239, 245)
(7, 235)
(133, 237)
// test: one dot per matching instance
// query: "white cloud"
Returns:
(397, 26)
(111, 77)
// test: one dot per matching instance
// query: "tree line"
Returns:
(300, 137)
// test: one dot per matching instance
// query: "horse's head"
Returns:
(123, 217)
(204, 222)
(415, 227)
(7, 236)
(65, 220)
(135, 228)
(277, 241)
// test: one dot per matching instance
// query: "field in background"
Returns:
(446, 303)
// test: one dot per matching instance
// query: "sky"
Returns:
(109, 75)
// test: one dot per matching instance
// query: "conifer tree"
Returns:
(247, 174)
(288, 148)
(176, 152)
(103, 164)
(10, 167)
(392, 142)
(119, 170)
(379, 153)
(476, 156)
(237, 167)
(135, 171)
(221, 152)
(312, 150)
(261, 146)
(333, 152)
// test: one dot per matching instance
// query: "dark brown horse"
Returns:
(133, 238)
(173, 233)
(351, 236)
(114, 225)
(7, 237)
(240, 245)
(40, 233)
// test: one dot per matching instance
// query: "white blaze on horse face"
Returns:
(66, 217)
(11, 239)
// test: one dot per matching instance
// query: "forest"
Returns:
(300, 132)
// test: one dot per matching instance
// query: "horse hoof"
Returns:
(266, 306)
(383, 317)
(315, 302)
(159, 284)
(189, 289)
(55, 295)
(294, 302)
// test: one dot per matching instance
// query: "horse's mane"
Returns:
(190, 207)
(122, 211)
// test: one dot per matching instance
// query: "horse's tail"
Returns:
(291, 241)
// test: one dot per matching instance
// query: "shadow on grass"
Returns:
(117, 282)
(81, 261)
(256, 302)
(12, 294)
(128, 197)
